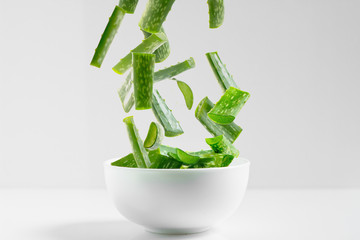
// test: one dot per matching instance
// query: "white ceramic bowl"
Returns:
(177, 201)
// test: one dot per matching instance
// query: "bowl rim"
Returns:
(237, 163)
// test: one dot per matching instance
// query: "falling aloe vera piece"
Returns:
(154, 137)
(155, 14)
(126, 94)
(140, 155)
(216, 13)
(221, 145)
(229, 105)
(163, 51)
(174, 70)
(165, 117)
(108, 36)
(129, 6)
(222, 75)
(187, 93)
(149, 45)
(230, 131)
(143, 78)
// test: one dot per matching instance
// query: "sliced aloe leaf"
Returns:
(108, 36)
(186, 158)
(163, 51)
(165, 117)
(227, 160)
(165, 150)
(230, 131)
(155, 14)
(126, 94)
(174, 70)
(143, 68)
(149, 45)
(220, 144)
(140, 155)
(187, 93)
(229, 105)
(222, 74)
(216, 13)
(129, 6)
(154, 137)
(127, 161)
(162, 161)
(209, 158)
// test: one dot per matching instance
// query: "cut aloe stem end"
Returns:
(129, 6)
(216, 13)
(154, 137)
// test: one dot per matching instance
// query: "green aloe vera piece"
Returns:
(154, 137)
(155, 14)
(174, 70)
(163, 51)
(143, 78)
(186, 158)
(127, 161)
(108, 36)
(163, 161)
(165, 117)
(222, 75)
(165, 150)
(229, 105)
(216, 13)
(140, 155)
(209, 158)
(220, 144)
(126, 93)
(149, 45)
(230, 131)
(129, 6)
(187, 93)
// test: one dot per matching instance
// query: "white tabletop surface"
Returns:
(264, 214)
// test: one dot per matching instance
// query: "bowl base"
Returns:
(177, 231)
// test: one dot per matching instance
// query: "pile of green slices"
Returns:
(138, 91)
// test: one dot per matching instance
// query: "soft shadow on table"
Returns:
(117, 230)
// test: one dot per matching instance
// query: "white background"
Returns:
(299, 59)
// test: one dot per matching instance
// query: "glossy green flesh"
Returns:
(165, 117)
(230, 131)
(187, 93)
(108, 36)
(140, 155)
(154, 136)
(127, 161)
(163, 51)
(129, 6)
(126, 88)
(229, 105)
(216, 13)
(149, 45)
(221, 145)
(222, 75)
(143, 69)
(155, 14)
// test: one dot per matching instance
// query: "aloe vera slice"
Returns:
(174, 70)
(127, 161)
(149, 45)
(155, 14)
(165, 150)
(129, 6)
(209, 158)
(163, 51)
(140, 155)
(229, 105)
(230, 131)
(143, 78)
(165, 117)
(186, 158)
(126, 94)
(162, 161)
(187, 93)
(221, 145)
(222, 75)
(108, 36)
(216, 13)
(154, 137)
